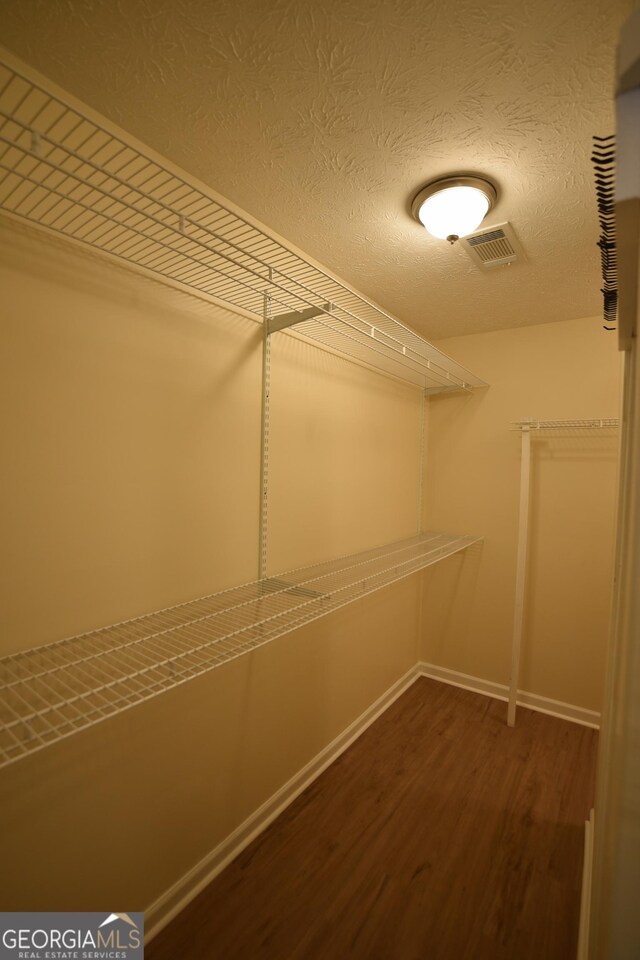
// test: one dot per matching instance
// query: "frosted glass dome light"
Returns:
(455, 211)
(454, 207)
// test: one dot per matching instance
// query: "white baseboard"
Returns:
(167, 906)
(500, 691)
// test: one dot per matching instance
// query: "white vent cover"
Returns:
(493, 246)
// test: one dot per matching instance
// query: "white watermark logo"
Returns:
(71, 936)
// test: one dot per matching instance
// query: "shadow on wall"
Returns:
(448, 599)
(586, 447)
(73, 264)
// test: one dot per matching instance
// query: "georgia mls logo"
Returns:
(120, 916)
(135, 937)
(71, 936)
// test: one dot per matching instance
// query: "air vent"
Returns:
(494, 246)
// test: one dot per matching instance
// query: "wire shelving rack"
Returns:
(596, 423)
(53, 691)
(77, 176)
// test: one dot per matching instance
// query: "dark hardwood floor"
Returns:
(441, 834)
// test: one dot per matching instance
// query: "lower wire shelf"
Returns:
(50, 692)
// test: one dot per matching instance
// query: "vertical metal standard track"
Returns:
(264, 454)
(423, 408)
(521, 572)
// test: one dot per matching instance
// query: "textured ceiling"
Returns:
(323, 119)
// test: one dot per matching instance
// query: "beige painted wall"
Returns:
(131, 419)
(550, 371)
(131, 430)
(344, 457)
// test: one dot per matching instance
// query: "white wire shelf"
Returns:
(64, 171)
(596, 423)
(53, 691)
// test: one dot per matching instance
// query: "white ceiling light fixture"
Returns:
(454, 207)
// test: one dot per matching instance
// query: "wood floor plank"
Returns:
(440, 833)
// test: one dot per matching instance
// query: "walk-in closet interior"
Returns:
(319, 531)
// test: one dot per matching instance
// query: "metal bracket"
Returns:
(423, 415)
(285, 320)
(264, 448)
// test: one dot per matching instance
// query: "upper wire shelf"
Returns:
(596, 423)
(50, 692)
(67, 172)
